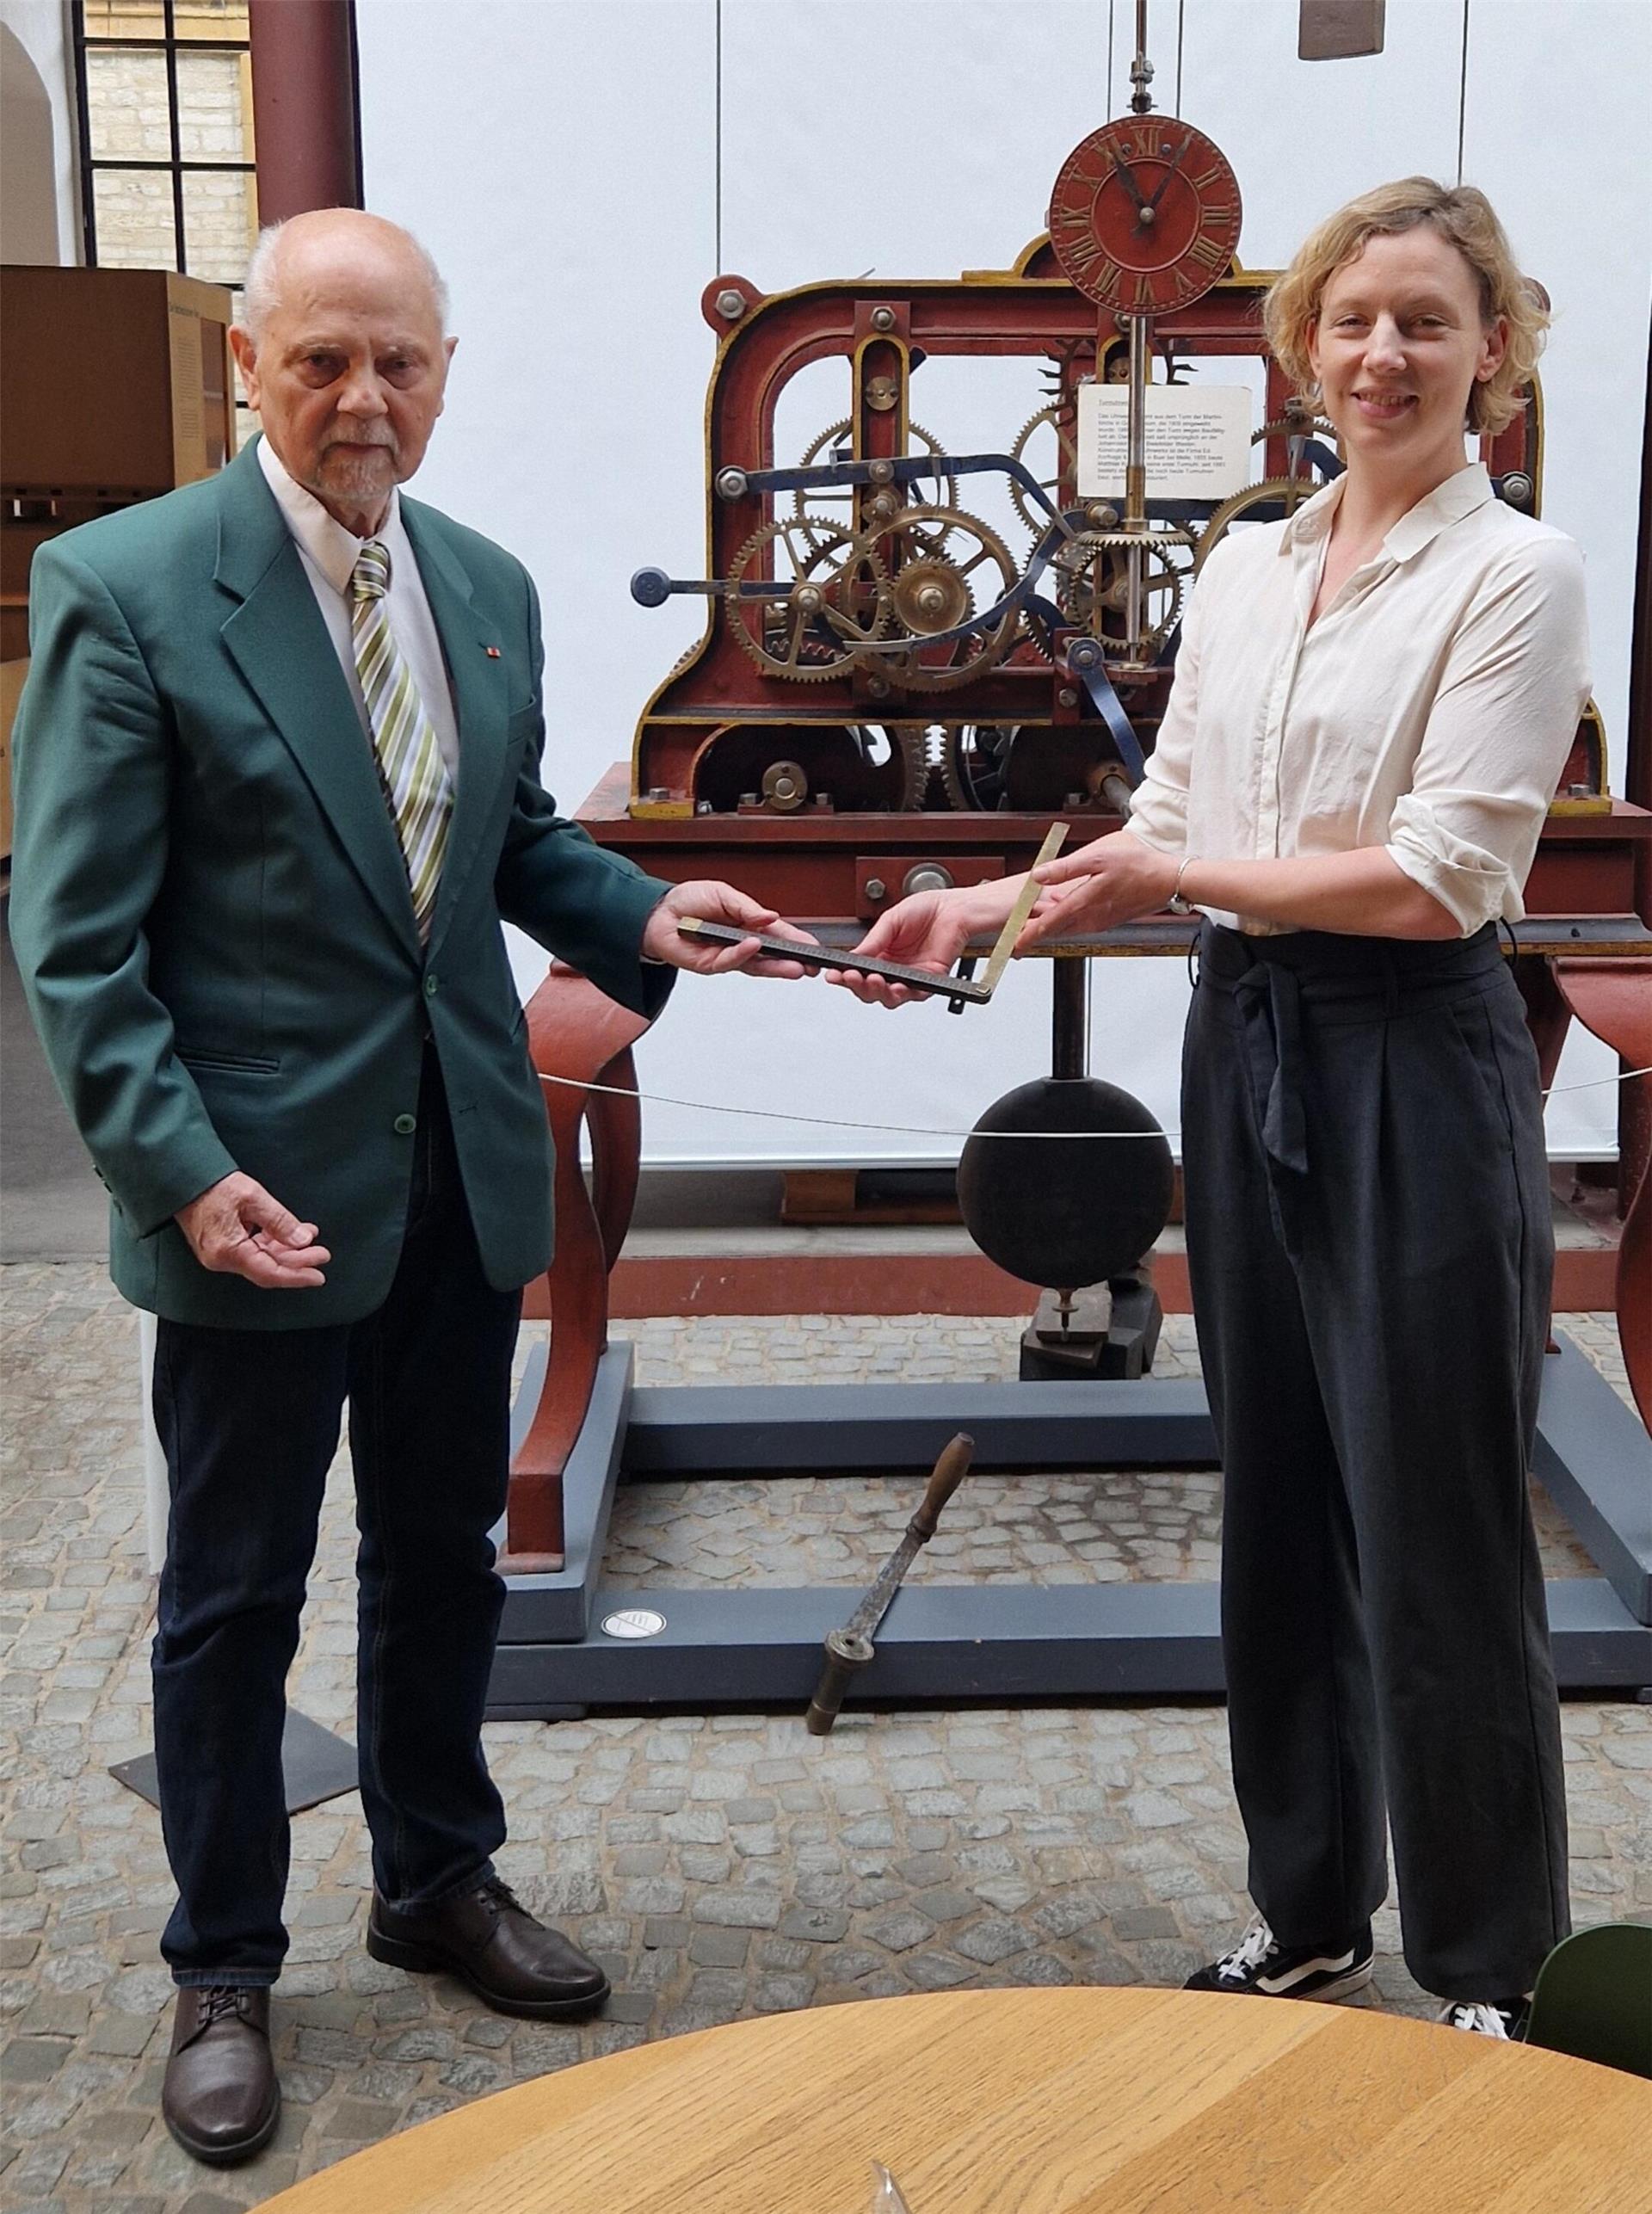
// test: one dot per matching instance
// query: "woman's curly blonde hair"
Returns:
(1460, 214)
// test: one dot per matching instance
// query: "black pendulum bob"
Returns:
(1079, 1215)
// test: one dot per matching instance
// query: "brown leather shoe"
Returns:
(221, 2099)
(488, 1939)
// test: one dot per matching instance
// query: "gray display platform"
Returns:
(316, 1766)
(567, 1643)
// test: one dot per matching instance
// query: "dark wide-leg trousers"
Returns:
(249, 1421)
(1369, 1249)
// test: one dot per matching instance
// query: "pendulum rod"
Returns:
(1069, 1026)
(1136, 484)
(1141, 100)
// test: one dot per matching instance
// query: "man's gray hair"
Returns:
(260, 290)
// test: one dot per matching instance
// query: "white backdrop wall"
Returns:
(561, 158)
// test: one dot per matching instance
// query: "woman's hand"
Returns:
(1113, 880)
(927, 931)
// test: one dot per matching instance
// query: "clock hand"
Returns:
(1158, 195)
(1127, 176)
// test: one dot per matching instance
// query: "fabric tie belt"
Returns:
(1284, 985)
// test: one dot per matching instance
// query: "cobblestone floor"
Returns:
(721, 1866)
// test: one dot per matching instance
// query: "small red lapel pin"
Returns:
(491, 651)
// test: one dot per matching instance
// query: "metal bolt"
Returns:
(702, 807)
(1067, 697)
(1074, 799)
(658, 792)
(882, 318)
(1104, 517)
(730, 304)
(883, 507)
(876, 888)
(931, 599)
(880, 472)
(878, 687)
(1518, 489)
(808, 597)
(730, 484)
(748, 800)
(927, 876)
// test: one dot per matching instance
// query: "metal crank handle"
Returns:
(950, 1471)
(652, 588)
(845, 1658)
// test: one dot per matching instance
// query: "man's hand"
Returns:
(927, 930)
(236, 1228)
(718, 902)
(1113, 880)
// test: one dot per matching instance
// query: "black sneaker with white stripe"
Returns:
(1259, 1964)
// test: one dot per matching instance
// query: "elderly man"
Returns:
(277, 787)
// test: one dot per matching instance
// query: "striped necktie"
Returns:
(416, 785)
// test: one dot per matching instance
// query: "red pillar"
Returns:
(303, 106)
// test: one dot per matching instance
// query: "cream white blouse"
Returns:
(1429, 710)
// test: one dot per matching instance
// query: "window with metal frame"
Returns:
(167, 163)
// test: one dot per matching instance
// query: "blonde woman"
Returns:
(1371, 706)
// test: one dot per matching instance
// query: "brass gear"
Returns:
(924, 530)
(1295, 426)
(930, 593)
(974, 754)
(917, 763)
(838, 600)
(1291, 490)
(819, 496)
(1067, 448)
(1091, 578)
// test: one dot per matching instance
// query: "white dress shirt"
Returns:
(1429, 710)
(329, 553)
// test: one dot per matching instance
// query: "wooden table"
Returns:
(1091, 2102)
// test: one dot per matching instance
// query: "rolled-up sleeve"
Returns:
(1158, 807)
(1514, 681)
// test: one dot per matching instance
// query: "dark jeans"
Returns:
(249, 1421)
(1369, 1242)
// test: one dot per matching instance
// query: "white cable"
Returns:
(925, 1129)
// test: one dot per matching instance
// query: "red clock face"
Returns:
(1145, 215)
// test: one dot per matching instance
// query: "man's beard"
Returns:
(357, 476)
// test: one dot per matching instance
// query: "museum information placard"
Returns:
(1198, 441)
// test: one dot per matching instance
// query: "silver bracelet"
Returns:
(1176, 903)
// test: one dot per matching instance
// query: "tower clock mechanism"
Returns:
(896, 628)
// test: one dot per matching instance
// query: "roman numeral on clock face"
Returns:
(1206, 252)
(1206, 177)
(1144, 294)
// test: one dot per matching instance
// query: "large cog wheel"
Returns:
(809, 503)
(1091, 575)
(972, 762)
(1292, 491)
(941, 596)
(835, 601)
(1063, 420)
(1302, 425)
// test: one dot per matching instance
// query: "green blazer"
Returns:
(210, 911)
